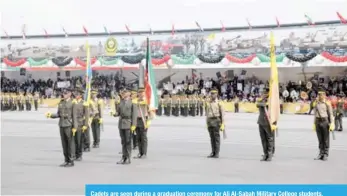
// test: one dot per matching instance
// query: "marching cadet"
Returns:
(126, 124)
(13, 103)
(82, 117)
(21, 101)
(215, 122)
(323, 123)
(201, 104)
(160, 106)
(265, 129)
(6, 102)
(167, 105)
(339, 114)
(67, 124)
(236, 104)
(144, 117)
(175, 105)
(192, 106)
(27, 101)
(36, 100)
(97, 119)
(133, 134)
(184, 105)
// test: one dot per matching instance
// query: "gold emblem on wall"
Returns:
(111, 46)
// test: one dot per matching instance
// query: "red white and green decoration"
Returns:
(173, 61)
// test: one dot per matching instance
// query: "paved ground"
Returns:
(31, 153)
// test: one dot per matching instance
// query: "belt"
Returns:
(216, 117)
(321, 119)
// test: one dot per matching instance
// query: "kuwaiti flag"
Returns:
(150, 82)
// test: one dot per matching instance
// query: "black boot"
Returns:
(319, 157)
(64, 164)
(211, 155)
(122, 161)
(325, 158)
(127, 161)
(269, 158)
(70, 164)
(264, 157)
(139, 156)
(79, 159)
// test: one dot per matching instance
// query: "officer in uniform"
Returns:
(339, 114)
(36, 100)
(323, 123)
(215, 122)
(82, 120)
(266, 130)
(21, 101)
(143, 121)
(13, 101)
(68, 125)
(185, 105)
(97, 119)
(127, 125)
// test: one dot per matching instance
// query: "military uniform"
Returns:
(160, 106)
(67, 125)
(339, 114)
(82, 117)
(175, 105)
(133, 134)
(184, 105)
(127, 124)
(267, 135)
(2, 101)
(236, 104)
(97, 115)
(323, 113)
(201, 104)
(143, 121)
(36, 100)
(193, 105)
(215, 123)
(21, 101)
(167, 105)
(28, 101)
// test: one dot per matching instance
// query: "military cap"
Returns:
(214, 90)
(321, 90)
(79, 90)
(141, 89)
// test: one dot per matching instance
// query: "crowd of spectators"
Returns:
(246, 89)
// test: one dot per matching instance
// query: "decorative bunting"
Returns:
(40, 62)
(108, 60)
(187, 60)
(62, 61)
(84, 63)
(211, 59)
(337, 59)
(342, 19)
(239, 60)
(161, 61)
(16, 63)
(265, 59)
(133, 59)
(301, 59)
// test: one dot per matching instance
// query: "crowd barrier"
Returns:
(288, 108)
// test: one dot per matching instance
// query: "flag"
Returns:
(249, 24)
(24, 31)
(173, 30)
(198, 25)
(5, 32)
(223, 27)
(278, 22)
(309, 20)
(46, 34)
(127, 28)
(150, 82)
(274, 98)
(65, 32)
(106, 30)
(342, 19)
(88, 77)
(194, 71)
(85, 30)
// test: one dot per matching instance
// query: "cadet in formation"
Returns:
(339, 113)
(323, 116)
(82, 116)
(96, 118)
(144, 118)
(215, 123)
(68, 126)
(127, 113)
(266, 130)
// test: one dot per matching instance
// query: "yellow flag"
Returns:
(274, 98)
(211, 36)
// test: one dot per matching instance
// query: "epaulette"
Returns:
(74, 101)
(328, 102)
(100, 101)
(143, 102)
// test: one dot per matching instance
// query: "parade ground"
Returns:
(31, 153)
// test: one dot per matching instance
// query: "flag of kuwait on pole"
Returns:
(150, 83)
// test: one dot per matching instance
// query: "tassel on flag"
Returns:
(223, 27)
(128, 29)
(85, 30)
(278, 22)
(173, 30)
(309, 20)
(65, 32)
(198, 25)
(342, 19)
(249, 24)
(46, 34)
